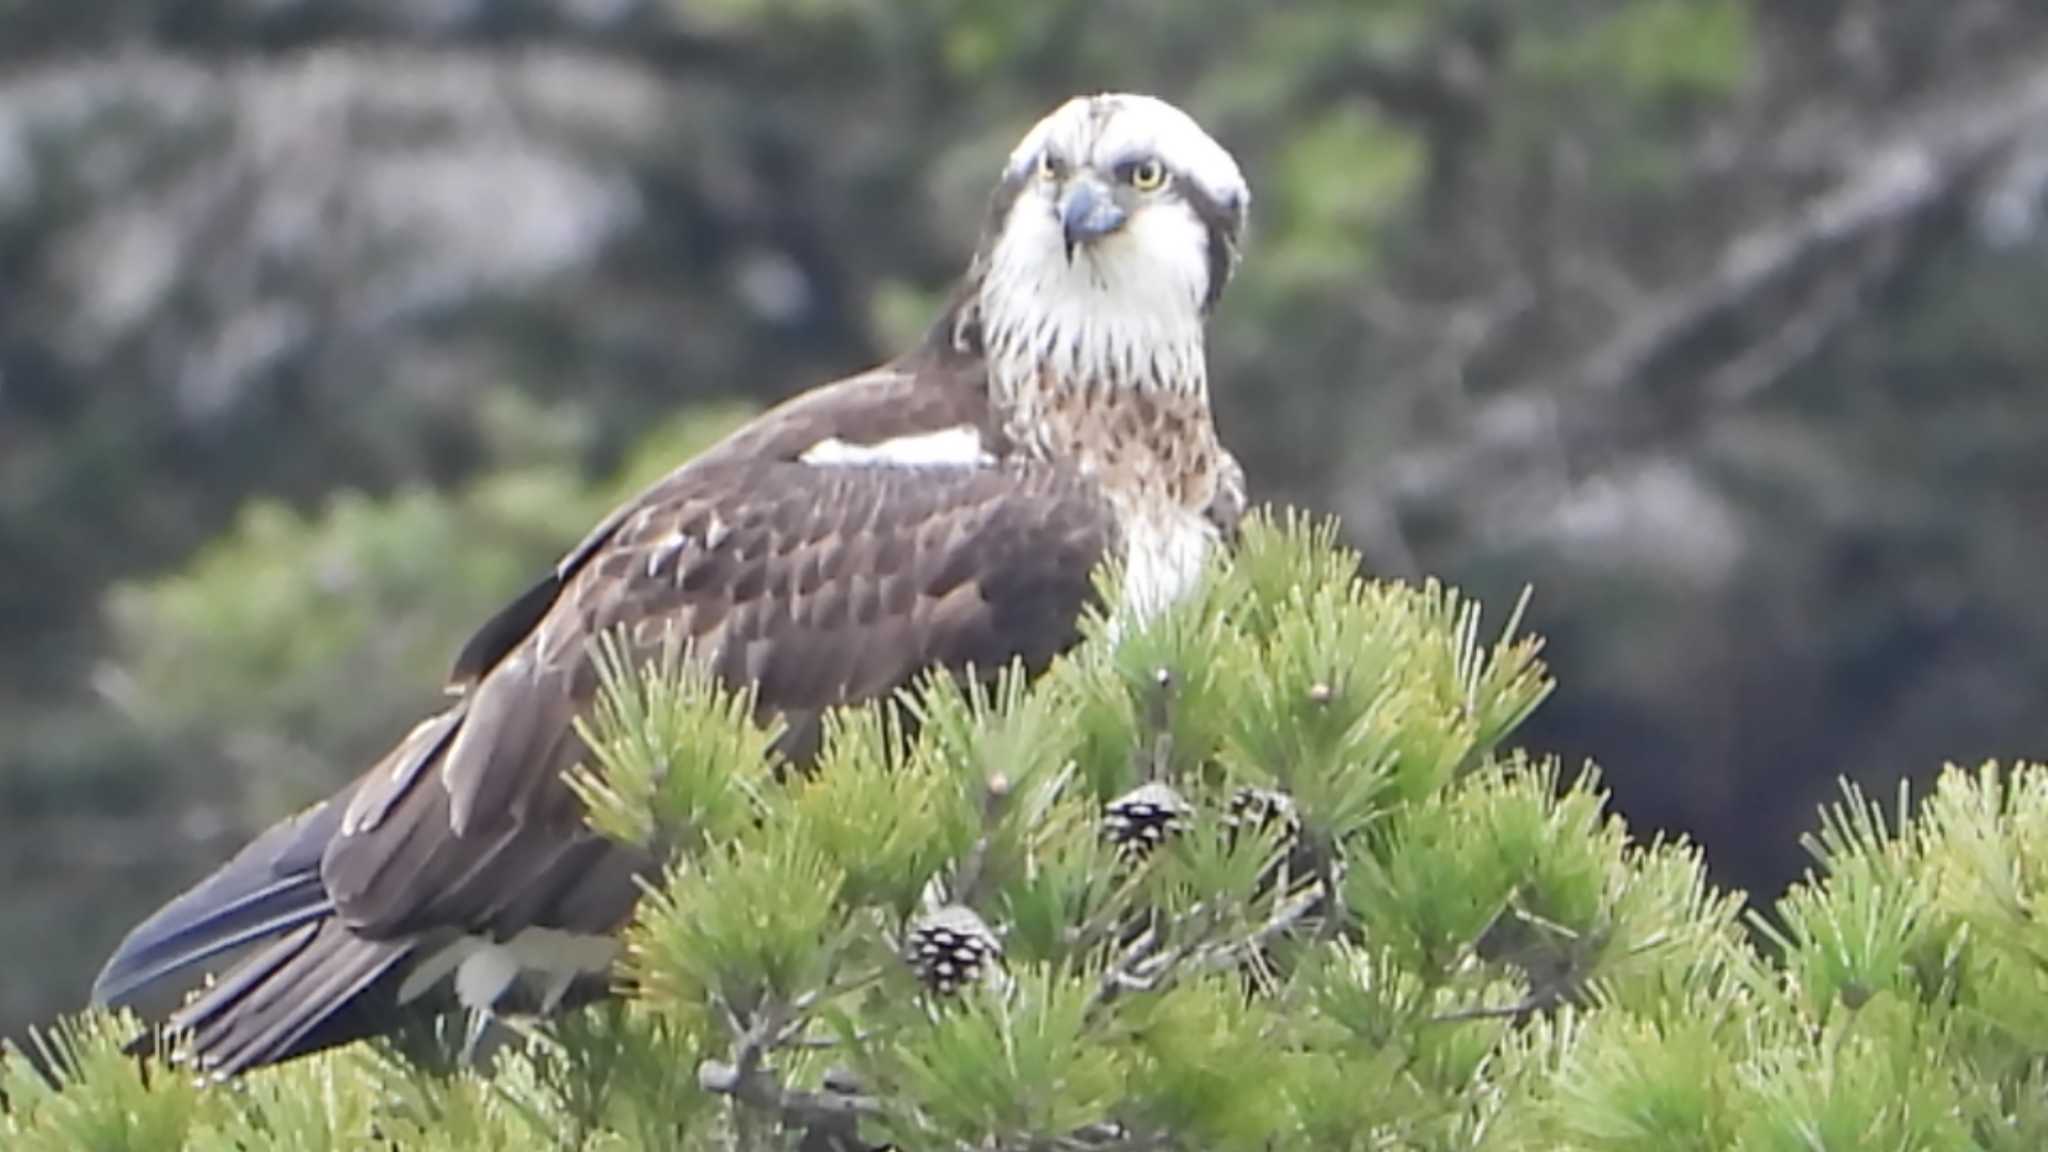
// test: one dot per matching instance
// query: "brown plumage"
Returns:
(792, 562)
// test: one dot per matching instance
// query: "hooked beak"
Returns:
(1088, 212)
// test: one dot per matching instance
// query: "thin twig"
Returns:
(796, 1106)
(1159, 716)
(1798, 339)
(994, 798)
(1289, 917)
(1122, 974)
(1932, 159)
(1113, 1137)
(1515, 1011)
(757, 1091)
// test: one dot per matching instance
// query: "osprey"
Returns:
(945, 509)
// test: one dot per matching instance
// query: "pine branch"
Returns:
(761, 1088)
(1114, 1138)
(1134, 970)
(1827, 254)
(1922, 166)
(1159, 720)
(828, 1119)
(1490, 895)
(1291, 915)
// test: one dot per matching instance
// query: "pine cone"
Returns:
(1140, 820)
(950, 946)
(1261, 808)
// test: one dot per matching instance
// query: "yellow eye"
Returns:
(1147, 175)
(1048, 168)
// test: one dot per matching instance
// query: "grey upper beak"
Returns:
(1088, 212)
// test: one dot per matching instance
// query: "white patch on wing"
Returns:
(958, 447)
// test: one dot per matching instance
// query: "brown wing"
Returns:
(821, 585)
(933, 388)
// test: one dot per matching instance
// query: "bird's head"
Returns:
(1114, 229)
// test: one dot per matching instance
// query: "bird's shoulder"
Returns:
(930, 403)
(932, 390)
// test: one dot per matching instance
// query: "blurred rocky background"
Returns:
(1721, 323)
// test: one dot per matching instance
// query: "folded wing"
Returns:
(820, 584)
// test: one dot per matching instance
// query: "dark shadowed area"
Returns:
(324, 326)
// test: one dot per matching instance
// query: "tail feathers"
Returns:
(269, 887)
(146, 960)
(317, 987)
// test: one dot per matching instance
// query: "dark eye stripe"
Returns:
(1224, 219)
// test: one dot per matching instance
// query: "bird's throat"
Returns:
(1123, 398)
(1129, 407)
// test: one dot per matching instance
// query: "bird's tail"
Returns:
(270, 887)
(301, 984)
(314, 988)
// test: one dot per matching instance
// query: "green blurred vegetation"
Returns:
(291, 642)
(326, 326)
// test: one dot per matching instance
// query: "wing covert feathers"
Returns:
(820, 586)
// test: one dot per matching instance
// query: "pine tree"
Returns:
(1261, 873)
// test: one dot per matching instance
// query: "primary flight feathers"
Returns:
(945, 509)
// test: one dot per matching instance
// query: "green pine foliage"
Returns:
(1358, 920)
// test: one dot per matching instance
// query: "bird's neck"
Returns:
(1121, 397)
